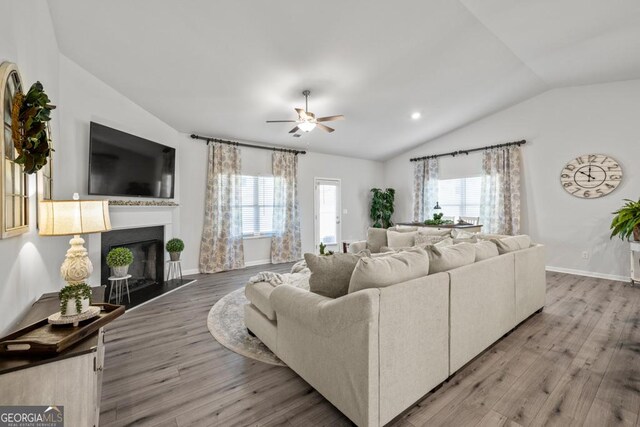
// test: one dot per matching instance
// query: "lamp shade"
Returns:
(70, 217)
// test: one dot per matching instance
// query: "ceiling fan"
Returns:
(307, 121)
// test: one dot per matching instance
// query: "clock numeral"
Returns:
(570, 167)
(587, 193)
(614, 167)
(615, 177)
(567, 184)
(565, 175)
(604, 160)
(609, 185)
(592, 158)
(599, 192)
(579, 160)
(576, 190)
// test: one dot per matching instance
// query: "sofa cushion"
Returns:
(450, 257)
(258, 294)
(457, 233)
(512, 243)
(429, 239)
(376, 238)
(330, 274)
(485, 250)
(434, 231)
(403, 228)
(400, 239)
(465, 240)
(388, 270)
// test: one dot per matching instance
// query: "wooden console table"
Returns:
(72, 379)
(471, 228)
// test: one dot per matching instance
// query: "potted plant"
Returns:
(119, 259)
(323, 250)
(382, 207)
(175, 247)
(626, 221)
(74, 299)
(437, 220)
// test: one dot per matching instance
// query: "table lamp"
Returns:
(73, 218)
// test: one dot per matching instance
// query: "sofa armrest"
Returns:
(355, 247)
(322, 315)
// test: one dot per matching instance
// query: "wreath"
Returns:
(30, 115)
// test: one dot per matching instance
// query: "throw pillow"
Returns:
(330, 274)
(450, 257)
(403, 228)
(461, 234)
(388, 270)
(376, 238)
(512, 243)
(469, 240)
(428, 239)
(434, 231)
(399, 239)
(485, 250)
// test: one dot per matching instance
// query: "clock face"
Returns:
(591, 176)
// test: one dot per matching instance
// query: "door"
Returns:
(327, 213)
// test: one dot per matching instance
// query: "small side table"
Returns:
(634, 248)
(174, 271)
(118, 282)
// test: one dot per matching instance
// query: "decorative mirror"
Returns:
(14, 199)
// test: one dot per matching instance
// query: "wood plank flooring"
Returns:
(576, 363)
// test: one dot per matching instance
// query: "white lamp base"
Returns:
(77, 266)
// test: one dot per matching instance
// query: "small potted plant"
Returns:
(626, 221)
(175, 247)
(74, 299)
(119, 259)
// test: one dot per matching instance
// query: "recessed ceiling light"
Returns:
(416, 115)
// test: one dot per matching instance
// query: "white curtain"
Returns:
(500, 194)
(425, 188)
(285, 243)
(221, 246)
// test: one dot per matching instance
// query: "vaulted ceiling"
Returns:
(223, 67)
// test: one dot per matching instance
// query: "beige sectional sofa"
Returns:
(375, 352)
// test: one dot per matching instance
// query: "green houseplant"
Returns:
(437, 220)
(175, 247)
(119, 259)
(74, 299)
(382, 207)
(626, 221)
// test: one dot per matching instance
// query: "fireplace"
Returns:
(147, 270)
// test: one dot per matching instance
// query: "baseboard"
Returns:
(190, 272)
(588, 273)
(257, 262)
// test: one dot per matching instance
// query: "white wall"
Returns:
(558, 126)
(358, 177)
(29, 264)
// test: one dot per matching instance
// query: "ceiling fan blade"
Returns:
(282, 121)
(301, 113)
(330, 118)
(294, 130)
(324, 128)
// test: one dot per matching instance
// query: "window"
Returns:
(257, 205)
(460, 196)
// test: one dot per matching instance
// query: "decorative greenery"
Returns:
(30, 116)
(175, 245)
(119, 257)
(626, 220)
(77, 292)
(323, 250)
(437, 220)
(382, 207)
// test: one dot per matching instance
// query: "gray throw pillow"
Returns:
(383, 271)
(485, 250)
(450, 257)
(376, 238)
(400, 239)
(330, 274)
(512, 243)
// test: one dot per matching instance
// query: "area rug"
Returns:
(226, 324)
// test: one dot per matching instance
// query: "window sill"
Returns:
(262, 236)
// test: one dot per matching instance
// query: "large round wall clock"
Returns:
(591, 176)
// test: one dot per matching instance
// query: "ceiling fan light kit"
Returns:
(307, 121)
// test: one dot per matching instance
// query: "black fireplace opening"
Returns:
(147, 270)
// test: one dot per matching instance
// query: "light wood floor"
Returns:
(576, 363)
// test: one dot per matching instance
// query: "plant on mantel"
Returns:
(626, 221)
(382, 207)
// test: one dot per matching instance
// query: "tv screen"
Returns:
(121, 164)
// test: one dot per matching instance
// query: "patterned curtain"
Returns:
(425, 188)
(285, 243)
(221, 245)
(500, 194)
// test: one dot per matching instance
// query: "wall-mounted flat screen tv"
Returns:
(122, 164)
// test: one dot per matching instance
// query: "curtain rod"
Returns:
(455, 153)
(242, 144)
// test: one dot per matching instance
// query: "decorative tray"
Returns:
(43, 338)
